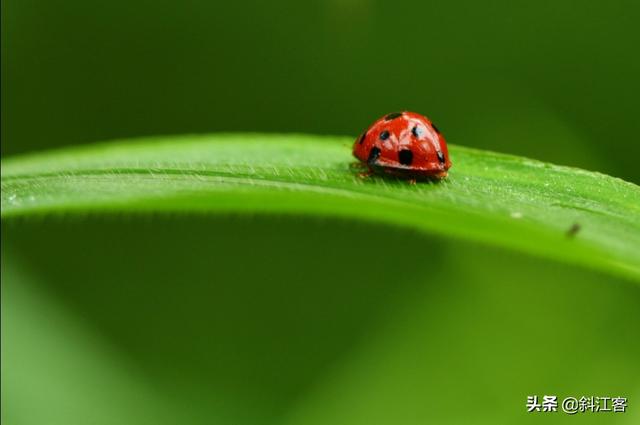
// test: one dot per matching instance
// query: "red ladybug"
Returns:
(404, 144)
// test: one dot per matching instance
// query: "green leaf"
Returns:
(552, 211)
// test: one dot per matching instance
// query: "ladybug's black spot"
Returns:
(417, 131)
(362, 138)
(405, 156)
(441, 157)
(393, 116)
(435, 128)
(374, 154)
(384, 135)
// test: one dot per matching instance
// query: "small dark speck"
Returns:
(392, 116)
(441, 157)
(362, 138)
(573, 230)
(384, 135)
(435, 128)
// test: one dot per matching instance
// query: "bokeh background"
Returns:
(553, 79)
(292, 320)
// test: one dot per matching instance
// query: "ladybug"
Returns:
(406, 145)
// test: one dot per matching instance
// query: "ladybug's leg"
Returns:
(365, 174)
(361, 170)
(411, 181)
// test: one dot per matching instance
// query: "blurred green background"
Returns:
(297, 321)
(265, 320)
(554, 80)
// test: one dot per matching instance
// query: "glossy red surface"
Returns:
(404, 144)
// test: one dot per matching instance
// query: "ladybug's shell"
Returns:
(404, 144)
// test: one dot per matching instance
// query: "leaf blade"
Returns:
(508, 201)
